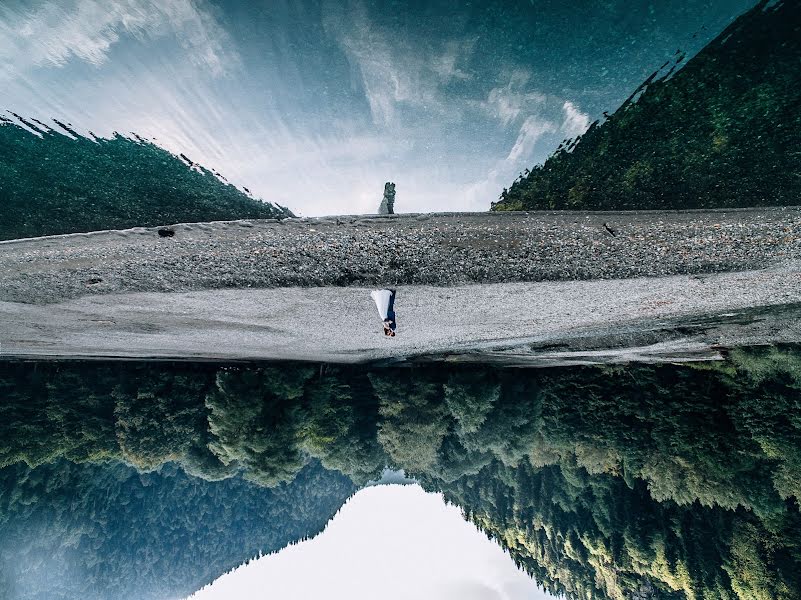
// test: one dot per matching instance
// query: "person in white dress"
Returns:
(385, 302)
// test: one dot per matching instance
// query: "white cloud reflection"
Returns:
(553, 121)
(514, 99)
(449, 65)
(576, 122)
(313, 108)
(532, 129)
(393, 72)
(53, 33)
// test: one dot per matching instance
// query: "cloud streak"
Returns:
(506, 103)
(575, 122)
(552, 122)
(533, 128)
(393, 72)
(56, 33)
(422, 110)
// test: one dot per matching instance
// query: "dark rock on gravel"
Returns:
(430, 249)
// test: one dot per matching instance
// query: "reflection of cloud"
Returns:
(437, 120)
(479, 194)
(446, 65)
(554, 121)
(394, 72)
(386, 79)
(510, 101)
(57, 32)
(576, 122)
(531, 131)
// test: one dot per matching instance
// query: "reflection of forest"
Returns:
(54, 183)
(721, 132)
(670, 481)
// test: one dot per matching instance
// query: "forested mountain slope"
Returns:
(646, 481)
(53, 183)
(104, 530)
(723, 131)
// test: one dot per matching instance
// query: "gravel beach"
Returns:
(430, 249)
(526, 289)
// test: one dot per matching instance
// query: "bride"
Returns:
(385, 302)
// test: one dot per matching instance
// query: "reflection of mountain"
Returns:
(52, 184)
(724, 131)
(103, 530)
(678, 482)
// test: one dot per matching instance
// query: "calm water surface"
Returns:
(314, 104)
(150, 480)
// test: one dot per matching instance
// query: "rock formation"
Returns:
(388, 203)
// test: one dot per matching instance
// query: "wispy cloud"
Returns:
(449, 64)
(531, 131)
(534, 127)
(55, 33)
(514, 99)
(393, 72)
(554, 120)
(431, 119)
(575, 122)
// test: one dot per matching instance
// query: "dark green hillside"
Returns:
(668, 482)
(677, 482)
(108, 488)
(56, 184)
(97, 531)
(723, 131)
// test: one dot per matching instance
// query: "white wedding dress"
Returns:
(382, 298)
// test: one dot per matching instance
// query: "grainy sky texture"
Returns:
(314, 104)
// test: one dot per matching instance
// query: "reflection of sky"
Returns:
(387, 542)
(314, 104)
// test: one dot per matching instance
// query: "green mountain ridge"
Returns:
(721, 132)
(105, 530)
(669, 481)
(53, 183)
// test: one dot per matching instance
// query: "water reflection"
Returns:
(616, 482)
(315, 104)
(56, 183)
(107, 530)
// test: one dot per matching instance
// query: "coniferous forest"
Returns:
(616, 482)
(53, 183)
(148, 480)
(721, 131)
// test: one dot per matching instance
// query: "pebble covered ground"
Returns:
(430, 249)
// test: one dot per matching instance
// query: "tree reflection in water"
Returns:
(614, 482)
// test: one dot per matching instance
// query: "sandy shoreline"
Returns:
(524, 288)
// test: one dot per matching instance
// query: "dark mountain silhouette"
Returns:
(723, 131)
(53, 183)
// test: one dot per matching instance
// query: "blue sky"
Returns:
(315, 104)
